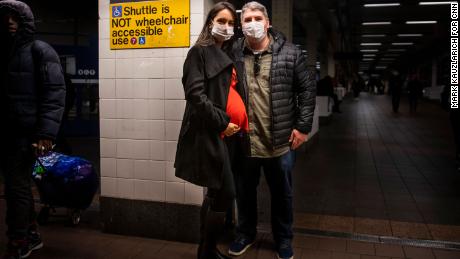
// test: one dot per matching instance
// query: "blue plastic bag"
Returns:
(65, 181)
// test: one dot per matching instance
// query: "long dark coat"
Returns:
(201, 153)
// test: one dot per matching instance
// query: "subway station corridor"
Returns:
(376, 172)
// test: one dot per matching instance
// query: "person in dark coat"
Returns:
(214, 113)
(279, 90)
(395, 84)
(32, 92)
(325, 87)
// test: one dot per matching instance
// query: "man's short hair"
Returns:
(254, 6)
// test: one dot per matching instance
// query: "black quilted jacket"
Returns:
(31, 79)
(293, 88)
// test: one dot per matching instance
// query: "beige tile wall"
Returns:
(141, 108)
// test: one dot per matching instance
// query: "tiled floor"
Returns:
(81, 242)
(375, 172)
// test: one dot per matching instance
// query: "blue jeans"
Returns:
(277, 171)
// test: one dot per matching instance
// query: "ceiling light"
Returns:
(387, 59)
(371, 44)
(435, 3)
(410, 35)
(402, 43)
(382, 5)
(368, 59)
(421, 22)
(369, 55)
(369, 50)
(380, 67)
(373, 35)
(376, 23)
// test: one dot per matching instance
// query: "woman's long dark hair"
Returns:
(206, 38)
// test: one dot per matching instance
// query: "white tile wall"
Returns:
(108, 128)
(172, 130)
(107, 89)
(141, 108)
(173, 68)
(109, 167)
(174, 109)
(170, 173)
(107, 108)
(156, 89)
(106, 68)
(174, 89)
(125, 168)
(149, 170)
(175, 192)
(125, 188)
(193, 194)
(104, 49)
(108, 148)
(109, 187)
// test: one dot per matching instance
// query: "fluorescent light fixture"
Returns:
(387, 59)
(402, 43)
(380, 67)
(368, 59)
(421, 22)
(371, 44)
(369, 55)
(435, 3)
(369, 50)
(376, 23)
(382, 5)
(410, 35)
(360, 72)
(373, 35)
(397, 50)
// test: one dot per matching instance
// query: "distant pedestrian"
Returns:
(395, 84)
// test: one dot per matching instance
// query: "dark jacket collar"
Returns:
(216, 60)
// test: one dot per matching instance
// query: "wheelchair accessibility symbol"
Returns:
(141, 40)
(116, 11)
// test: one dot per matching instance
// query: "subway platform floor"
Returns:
(86, 242)
(375, 172)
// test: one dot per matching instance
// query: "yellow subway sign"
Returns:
(149, 24)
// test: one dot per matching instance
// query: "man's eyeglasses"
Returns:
(257, 64)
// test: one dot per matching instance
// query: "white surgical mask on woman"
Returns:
(222, 32)
(254, 30)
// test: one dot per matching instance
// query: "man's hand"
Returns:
(297, 138)
(43, 147)
(231, 129)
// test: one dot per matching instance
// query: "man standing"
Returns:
(279, 91)
(32, 92)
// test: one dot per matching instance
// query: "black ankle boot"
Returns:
(212, 224)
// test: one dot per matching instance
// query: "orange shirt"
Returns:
(235, 106)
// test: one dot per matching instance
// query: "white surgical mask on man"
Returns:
(222, 32)
(254, 30)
